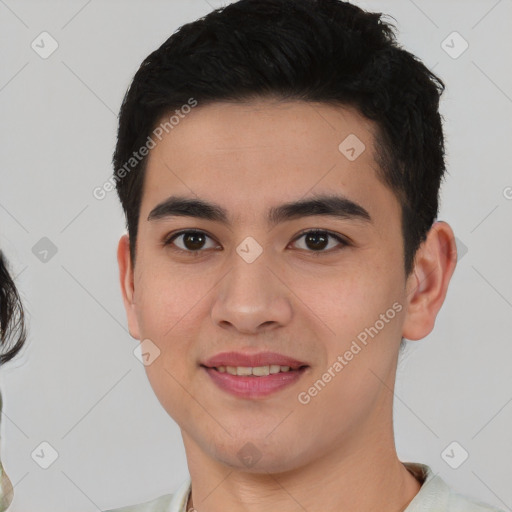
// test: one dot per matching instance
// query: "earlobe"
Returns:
(427, 285)
(126, 278)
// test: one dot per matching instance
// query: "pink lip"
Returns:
(252, 386)
(259, 359)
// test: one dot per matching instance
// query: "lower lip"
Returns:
(253, 386)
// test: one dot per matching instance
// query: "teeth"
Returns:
(275, 368)
(250, 370)
(260, 370)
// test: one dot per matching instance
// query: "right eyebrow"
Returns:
(321, 205)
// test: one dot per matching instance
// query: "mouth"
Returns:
(252, 376)
(256, 371)
(258, 364)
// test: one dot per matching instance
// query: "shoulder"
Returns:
(160, 504)
(460, 503)
(436, 495)
(175, 502)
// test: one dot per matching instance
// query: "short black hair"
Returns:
(327, 51)
(12, 319)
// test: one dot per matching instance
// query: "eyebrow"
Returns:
(326, 205)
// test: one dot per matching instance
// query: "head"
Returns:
(12, 339)
(12, 322)
(323, 51)
(289, 115)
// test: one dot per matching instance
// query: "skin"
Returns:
(338, 451)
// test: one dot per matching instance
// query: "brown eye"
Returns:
(189, 241)
(318, 241)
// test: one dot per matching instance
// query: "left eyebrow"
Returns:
(324, 205)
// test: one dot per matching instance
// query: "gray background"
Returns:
(78, 386)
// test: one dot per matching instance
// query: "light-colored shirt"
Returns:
(434, 496)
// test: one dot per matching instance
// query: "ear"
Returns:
(127, 284)
(427, 284)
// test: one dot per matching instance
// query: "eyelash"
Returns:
(168, 242)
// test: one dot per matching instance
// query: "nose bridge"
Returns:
(250, 298)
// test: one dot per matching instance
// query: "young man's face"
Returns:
(307, 298)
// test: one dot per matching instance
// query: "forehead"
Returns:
(247, 155)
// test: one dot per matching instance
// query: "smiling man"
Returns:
(284, 162)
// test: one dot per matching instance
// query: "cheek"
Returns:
(163, 298)
(172, 371)
(365, 310)
(348, 299)
(167, 305)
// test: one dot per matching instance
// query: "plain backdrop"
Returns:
(78, 386)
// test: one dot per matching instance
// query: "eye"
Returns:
(192, 241)
(317, 240)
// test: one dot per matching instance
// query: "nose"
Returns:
(251, 299)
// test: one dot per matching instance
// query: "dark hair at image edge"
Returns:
(326, 51)
(12, 318)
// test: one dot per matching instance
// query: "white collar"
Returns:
(180, 497)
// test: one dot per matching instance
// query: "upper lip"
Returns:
(252, 360)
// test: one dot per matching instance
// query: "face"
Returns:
(266, 270)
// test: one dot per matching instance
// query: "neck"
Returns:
(352, 477)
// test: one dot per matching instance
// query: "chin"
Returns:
(254, 458)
